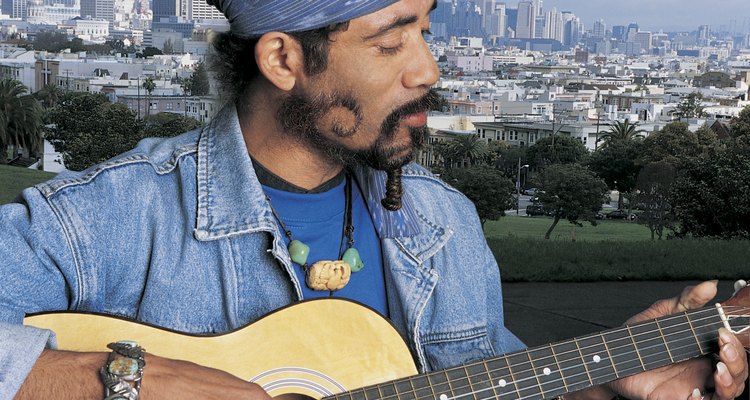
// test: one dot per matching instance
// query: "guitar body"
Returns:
(313, 348)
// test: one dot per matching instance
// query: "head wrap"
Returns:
(251, 18)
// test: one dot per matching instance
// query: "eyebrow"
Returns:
(399, 22)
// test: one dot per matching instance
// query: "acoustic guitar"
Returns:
(339, 350)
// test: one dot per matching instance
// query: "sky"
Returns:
(658, 14)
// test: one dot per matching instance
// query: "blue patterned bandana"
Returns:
(252, 18)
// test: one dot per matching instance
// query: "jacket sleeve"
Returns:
(33, 257)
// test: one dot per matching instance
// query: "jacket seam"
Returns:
(76, 303)
(446, 337)
(52, 188)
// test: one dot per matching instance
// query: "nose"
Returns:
(422, 70)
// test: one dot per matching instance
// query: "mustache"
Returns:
(420, 104)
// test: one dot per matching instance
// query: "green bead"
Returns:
(351, 257)
(299, 251)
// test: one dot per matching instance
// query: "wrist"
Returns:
(123, 371)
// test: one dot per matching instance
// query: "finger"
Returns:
(732, 354)
(696, 395)
(697, 296)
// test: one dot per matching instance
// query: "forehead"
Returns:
(416, 9)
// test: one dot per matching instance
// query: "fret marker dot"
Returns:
(443, 397)
(597, 359)
(502, 383)
(547, 371)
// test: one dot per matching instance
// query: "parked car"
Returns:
(535, 209)
(620, 214)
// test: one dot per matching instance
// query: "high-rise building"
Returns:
(553, 26)
(98, 9)
(526, 22)
(167, 8)
(704, 35)
(599, 29)
(632, 30)
(200, 9)
(502, 19)
(644, 38)
(14, 8)
(619, 32)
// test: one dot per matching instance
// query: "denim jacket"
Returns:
(177, 233)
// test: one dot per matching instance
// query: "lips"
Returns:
(416, 120)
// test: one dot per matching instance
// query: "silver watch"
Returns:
(123, 371)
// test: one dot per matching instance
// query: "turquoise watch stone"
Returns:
(351, 257)
(298, 252)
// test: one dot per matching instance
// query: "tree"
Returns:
(621, 130)
(149, 86)
(491, 192)
(690, 107)
(557, 149)
(49, 95)
(87, 129)
(150, 52)
(676, 144)
(711, 198)
(739, 129)
(168, 124)
(616, 164)
(200, 83)
(573, 192)
(20, 119)
(467, 149)
(654, 189)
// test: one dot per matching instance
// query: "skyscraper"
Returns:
(14, 8)
(166, 8)
(704, 35)
(526, 22)
(98, 9)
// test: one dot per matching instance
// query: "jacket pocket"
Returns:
(449, 349)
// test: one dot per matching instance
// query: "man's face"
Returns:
(369, 106)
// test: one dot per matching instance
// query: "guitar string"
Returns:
(588, 372)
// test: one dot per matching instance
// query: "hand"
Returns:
(690, 379)
(173, 379)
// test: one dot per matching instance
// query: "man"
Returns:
(211, 230)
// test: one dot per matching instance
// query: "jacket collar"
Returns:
(231, 200)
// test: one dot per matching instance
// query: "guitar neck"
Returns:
(563, 367)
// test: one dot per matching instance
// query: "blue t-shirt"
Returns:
(317, 220)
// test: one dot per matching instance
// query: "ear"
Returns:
(279, 58)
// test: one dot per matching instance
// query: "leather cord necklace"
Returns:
(330, 275)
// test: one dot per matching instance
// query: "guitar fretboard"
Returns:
(555, 369)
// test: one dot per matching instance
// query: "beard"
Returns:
(304, 117)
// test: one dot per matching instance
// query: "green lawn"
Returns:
(536, 227)
(14, 179)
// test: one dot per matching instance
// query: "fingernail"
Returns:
(725, 335)
(714, 281)
(724, 377)
(730, 352)
(696, 394)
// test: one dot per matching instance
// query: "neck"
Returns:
(281, 153)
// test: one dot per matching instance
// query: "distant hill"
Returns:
(14, 179)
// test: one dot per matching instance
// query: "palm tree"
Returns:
(622, 130)
(468, 149)
(20, 119)
(49, 95)
(149, 85)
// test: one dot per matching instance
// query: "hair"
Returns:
(233, 58)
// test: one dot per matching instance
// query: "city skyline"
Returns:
(668, 15)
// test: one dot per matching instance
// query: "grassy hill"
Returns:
(14, 179)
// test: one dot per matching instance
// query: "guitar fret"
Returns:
(534, 371)
(525, 378)
(650, 345)
(637, 352)
(624, 356)
(682, 343)
(422, 387)
(405, 390)
(502, 378)
(583, 359)
(481, 383)
(664, 339)
(548, 371)
(387, 390)
(706, 329)
(596, 359)
(440, 385)
(695, 334)
(559, 368)
(609, 355)
(459, 383)
(372, 393)
(572, 366)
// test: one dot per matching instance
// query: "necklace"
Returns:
(327, 275)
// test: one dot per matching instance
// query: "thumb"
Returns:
(697, 296)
